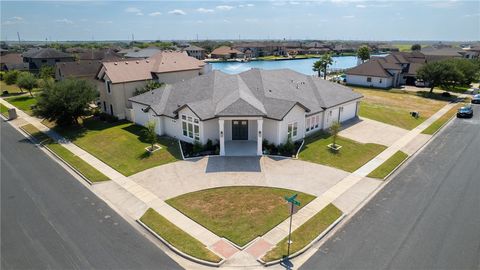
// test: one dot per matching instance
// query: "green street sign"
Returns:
(292, 199)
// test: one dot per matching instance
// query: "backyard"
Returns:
(121, 145)
(394, 106)
(239, 214)
(350, 157)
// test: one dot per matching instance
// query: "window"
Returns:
(369, 79)
(380, 81)
(108, 86)
(111, 109)
(57, 60)
(292, 130)
(317, 121)
(191, 127)
(104, 106)
(44, 61)
(307, 125)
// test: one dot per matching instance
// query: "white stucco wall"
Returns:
(210, 131)
(252, 130)
(349, 111)
(270, 130)
(376, 81)
(296, 114)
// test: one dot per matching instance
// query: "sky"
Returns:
(448, 20)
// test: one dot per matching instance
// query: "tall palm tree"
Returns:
(322, 65)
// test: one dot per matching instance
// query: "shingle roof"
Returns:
(194, 48)
(143, 53)
(369, 68)
(79, 68)
(105, 54)
(225, 50)
(45, 53)
(142, 69)
(269, 93)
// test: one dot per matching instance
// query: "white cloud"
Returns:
(133, 10)
(224, 7)
(361, 6)
(17, 18)
(226, 21)
(251, 20)
(156, 13)
(471, 15)
(64, 20)
(205, 10)
(294, 3)
(442, 4)
(250, 5)
(14, 20)
(139, 14)
(348, 16)
(105, 22)
(177, 12)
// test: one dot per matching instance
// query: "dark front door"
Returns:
(239, 129)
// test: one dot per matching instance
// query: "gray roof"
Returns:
(256, 92)
(45, 53)
(193, 48)
(143, 53)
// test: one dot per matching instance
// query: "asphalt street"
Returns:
(427, 217)
(51, 221)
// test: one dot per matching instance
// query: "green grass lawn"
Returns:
(177, 237)
(4, 110)
(80, 165)
(23, 103)
(351, 156)
(390, 115)
(442, 120)
(12, 89)
(239, 214)
(121, 145)
(306, 233)
(389, 165)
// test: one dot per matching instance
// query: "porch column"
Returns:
(221, 124)
(259, 137)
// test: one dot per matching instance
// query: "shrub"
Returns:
(446, 94)
(209, 145)
(197, 147)
(11, 77)
(288, 148)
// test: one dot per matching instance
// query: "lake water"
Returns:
(301, 65)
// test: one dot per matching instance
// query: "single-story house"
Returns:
(38, 57)
(225, 52)
(118, 81)
(241, 110)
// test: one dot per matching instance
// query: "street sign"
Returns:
(293, 202)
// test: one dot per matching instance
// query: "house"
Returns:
(241, 110)
(142, 53)
(85, 70)
(259, 49)
(118, 81)
(38, 57)
(225, 52)
(195, 51)
(12, 61)
(102, 54)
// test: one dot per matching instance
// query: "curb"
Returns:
(174, 249)
(301, 251)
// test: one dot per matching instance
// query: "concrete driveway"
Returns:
(370, 131)
(170, 180)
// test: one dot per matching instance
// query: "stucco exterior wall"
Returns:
(210, 131)
(270, 130)
(376, 81)
(296, 114)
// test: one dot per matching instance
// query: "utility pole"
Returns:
(19, 41)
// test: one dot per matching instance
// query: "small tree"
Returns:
(65, 101)
(441, 73)
(150, 134)
(27, 81)
(334, 130)
(363, 53)
(47, 72)
(416, 47)
(322, 65)
(10, 77)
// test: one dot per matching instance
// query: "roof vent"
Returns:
(137, 61)
(115, 63)
(126, 63)
(148, 61)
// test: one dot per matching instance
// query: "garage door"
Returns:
(348, 112)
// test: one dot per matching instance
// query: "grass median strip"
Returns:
(80, 165)
(389, 165)
(4, 110)
(177, 237)
(441, 121)
(306, 233)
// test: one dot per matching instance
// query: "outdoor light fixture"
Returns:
(259, 133)
(221, 134)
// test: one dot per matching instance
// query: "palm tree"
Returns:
(322, 65)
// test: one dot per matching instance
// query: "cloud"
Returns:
(14, 20)
(205, 10)
(105, 22)
(133, 10)
(156, 13)
(471, 15)
(250, 5)
(177, 12)
(17, 18)
(294, 3)
(64, 20)
(442, 4)
(224, 7)
(348, 16)
(361, 6)
(250, 20)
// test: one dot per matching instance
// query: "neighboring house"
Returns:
(142, 53)
(80, 70)
(258, 49)
(195, 51)
(118, 81)
(472, 52)
(241, 110)
(38, 57)
(12, 61)
(225, 52)
(102, 54)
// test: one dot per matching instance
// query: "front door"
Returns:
(239, 129)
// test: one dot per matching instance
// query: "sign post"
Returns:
(292, 201)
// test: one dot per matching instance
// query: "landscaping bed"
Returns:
(80, 165)
(288, 149)
(388, 166)
(350, 157)
(305, 234)
(198, 150)
(442, 120)
(177, 237)
(239, 214)
(121, 145)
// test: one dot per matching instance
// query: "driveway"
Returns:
(371, 131)
(170, 180)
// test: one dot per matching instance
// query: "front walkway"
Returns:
(240, 148)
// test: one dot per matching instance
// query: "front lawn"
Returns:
(12, 89)
(441, 121)
(305, 234)
(3, 110)
(177, 237)
(23, 103)
(79, 164)
(394, 106)
(239, 214)
(389, 165)
(350, 157)
(121, 145)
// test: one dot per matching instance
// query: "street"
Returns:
(51, 221)
(427, 217)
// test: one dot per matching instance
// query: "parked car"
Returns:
(420, 83)
(465, 112)
(476, 99)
